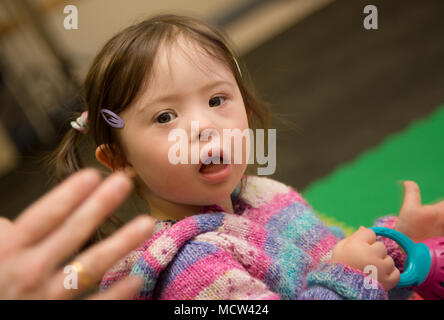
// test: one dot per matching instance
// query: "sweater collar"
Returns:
(239, 206)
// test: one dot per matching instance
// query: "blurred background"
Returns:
(357, 110)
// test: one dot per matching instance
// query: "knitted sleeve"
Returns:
(332, 281)
(204, 271)
(338, 281)
(335, 281)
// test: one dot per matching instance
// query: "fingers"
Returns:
(388, 274)
(6, 236)
(102, 256)
(388, 265)
(5, 224)
(379, 249)
(48, 212)
(365, 234)
(124, 289)
(85, 219)
(412, 196)
(394, 277)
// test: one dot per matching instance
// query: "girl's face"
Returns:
(187, 86)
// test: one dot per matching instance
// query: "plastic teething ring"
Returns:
(418, 262)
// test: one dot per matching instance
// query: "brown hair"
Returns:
(123, 65)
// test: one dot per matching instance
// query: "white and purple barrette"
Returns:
(81, 123)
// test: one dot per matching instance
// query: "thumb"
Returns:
(365, 234)
(4, 224)
(412, 196)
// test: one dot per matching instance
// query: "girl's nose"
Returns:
(201, 128)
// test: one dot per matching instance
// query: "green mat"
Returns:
(359, 192)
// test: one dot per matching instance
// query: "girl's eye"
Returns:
(213, 101)
(165, 117)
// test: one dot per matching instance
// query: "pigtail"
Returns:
(65, 159)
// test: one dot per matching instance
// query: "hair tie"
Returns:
(81, 123)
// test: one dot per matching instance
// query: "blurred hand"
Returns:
(361, 250)
(416, 221)
(48, 232)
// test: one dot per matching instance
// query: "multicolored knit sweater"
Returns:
(273, 247)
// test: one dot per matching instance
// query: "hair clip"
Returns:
(81, 123)
(112, 119)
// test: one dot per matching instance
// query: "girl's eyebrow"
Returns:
(170, 97)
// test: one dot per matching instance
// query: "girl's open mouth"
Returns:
(212, 167)
(214, 172)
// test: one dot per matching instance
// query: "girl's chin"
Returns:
(209, 198)
(213, 200)
(201, 196)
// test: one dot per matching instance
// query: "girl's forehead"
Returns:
(183, 61)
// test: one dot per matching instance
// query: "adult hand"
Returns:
(419, 222)
(33, 247)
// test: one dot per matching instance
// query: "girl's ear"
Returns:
(104, 156)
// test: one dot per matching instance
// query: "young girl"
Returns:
(221, 233)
